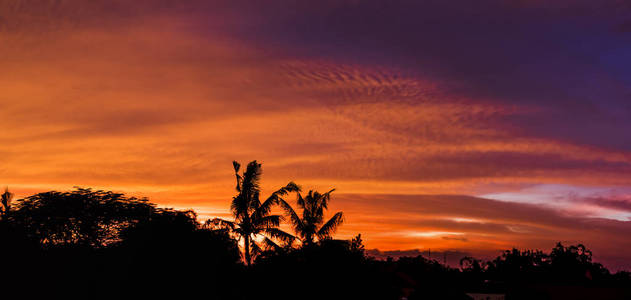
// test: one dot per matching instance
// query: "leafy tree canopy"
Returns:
(80, 217)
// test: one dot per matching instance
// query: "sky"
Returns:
(456, 126)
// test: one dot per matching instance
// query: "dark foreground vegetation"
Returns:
(97, 244)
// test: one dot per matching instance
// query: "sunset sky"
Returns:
(463, 126)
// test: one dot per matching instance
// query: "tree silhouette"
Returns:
(579, 253)
(252, 218)
(471, 264)
(6, 199)
(170, 249)
(81, 217)
(310, 226)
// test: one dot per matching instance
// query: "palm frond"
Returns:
(251, 177)
(237, 166)
(280, 235)
(267, 221)
(276, 197)
(265, 207)
(218, 223)
(294, 219)
(239, 206)
(240, 232)
(292, 187)
(300, 201)
(270, 245)
(250, 187)
(330, 226)
(255, 203)
(255, 249)
(325, 198)
(318, 214)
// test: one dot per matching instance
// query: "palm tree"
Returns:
(252, 219)
(5, 199)
(311, 225)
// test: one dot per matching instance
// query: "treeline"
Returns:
(99, 244)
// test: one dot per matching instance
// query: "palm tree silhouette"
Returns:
(310, 226)
(252, 219)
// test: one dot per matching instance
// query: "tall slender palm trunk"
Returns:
(247, 250)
